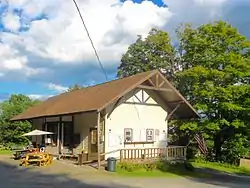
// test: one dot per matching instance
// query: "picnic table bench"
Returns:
(39, 159)
(19, 154)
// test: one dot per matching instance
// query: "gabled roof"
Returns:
(98, 97)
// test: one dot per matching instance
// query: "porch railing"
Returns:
(168, 153)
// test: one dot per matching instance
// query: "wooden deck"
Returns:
(168, 153)
(171, 153)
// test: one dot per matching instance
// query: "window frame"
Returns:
(152, 135)
(131, 131)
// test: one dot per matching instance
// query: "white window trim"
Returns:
(125, 130)
(149, 140)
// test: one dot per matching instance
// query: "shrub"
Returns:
(164, 166)
(129, 167)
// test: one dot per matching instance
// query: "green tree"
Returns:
(215, 76)
(153, 52)
(10, 132)
(74, 88)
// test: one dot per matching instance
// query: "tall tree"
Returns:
(10, 132)
(74, 87)
(215, 59)
(153, 52)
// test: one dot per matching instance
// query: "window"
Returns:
(93, 137)
(150, 135)
(128, 135)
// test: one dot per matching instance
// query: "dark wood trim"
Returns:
(154, 88)
(173, 111)
(162, 83)
(133, 86)
(137, 97)
(146, 104)
(114, 107)
(182, 98)
(98, 141)
(157, 80)
(176, 102)
(140, 142)
(60, 136)
(54, 115)
(142, 95)
(72, 135)
(145, 101)
(58, 121)
(151, 82)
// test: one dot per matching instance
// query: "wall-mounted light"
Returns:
(109, 130)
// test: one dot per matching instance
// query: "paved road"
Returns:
(62, 175)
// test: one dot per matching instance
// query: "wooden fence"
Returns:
(168, 153)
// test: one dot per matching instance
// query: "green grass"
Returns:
(221, 167)
(144, 173)
(159, 173)
(5, 152)
(159, 169)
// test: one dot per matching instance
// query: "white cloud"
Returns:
(39, 97)
(60, 42)
(11, 21)
(62, 38)
(194, 11)
(57, 88)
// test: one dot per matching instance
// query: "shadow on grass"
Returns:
(20, 177)
(199, 175)
(219, 178)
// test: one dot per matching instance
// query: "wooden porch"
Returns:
(170, 153)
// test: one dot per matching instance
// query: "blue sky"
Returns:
(44, 48)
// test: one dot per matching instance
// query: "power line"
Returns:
(93, 46)
(96, 54)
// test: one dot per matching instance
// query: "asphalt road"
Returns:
(62, 175)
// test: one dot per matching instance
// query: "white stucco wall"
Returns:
(139, 117)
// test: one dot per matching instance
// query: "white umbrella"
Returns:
(37, 133)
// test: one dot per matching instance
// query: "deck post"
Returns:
(58, 141)
(98, 141)
(72, 134)
(59, 137)
(46, 129)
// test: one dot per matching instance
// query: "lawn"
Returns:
(188, 169)
(5, 152)
(221, 167)
(159, 169)
(159, 173)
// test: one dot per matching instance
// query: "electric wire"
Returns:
(91, 41)
(96, 54)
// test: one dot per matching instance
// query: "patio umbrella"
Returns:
(36, 133)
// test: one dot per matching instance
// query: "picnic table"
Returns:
(38, 158)
(19, 154)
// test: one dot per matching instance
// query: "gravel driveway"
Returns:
(63, 175)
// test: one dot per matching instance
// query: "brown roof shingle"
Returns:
(96, 98)
(86, 99)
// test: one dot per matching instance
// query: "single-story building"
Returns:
(128, 113)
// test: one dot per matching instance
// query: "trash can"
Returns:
(111, 165)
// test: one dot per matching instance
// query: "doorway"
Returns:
(93, 140)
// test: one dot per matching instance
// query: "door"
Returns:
(92, 140)
(67, 134)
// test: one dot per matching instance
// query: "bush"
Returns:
(131, 167)
(164, 166)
